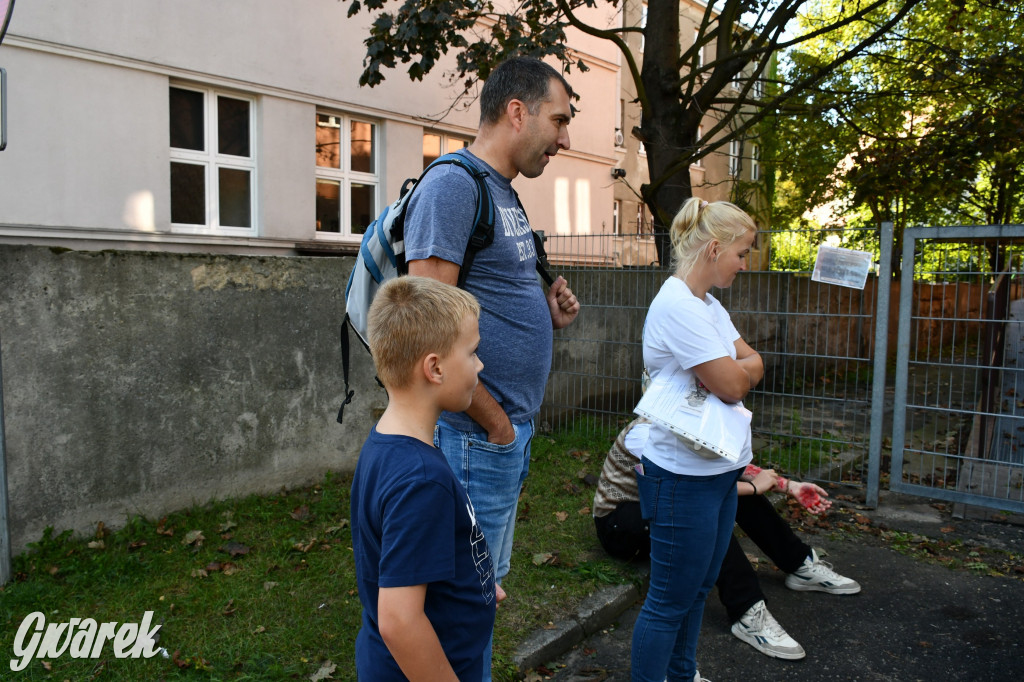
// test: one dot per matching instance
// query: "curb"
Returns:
(595, 613)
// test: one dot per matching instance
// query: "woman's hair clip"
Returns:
(703, 205)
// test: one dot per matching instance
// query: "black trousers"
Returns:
(625, 535)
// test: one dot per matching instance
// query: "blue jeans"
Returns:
(493, 477)
(691, 521)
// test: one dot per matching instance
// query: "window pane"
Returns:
(235, 198)
(233, 126)
(328, 142)
(455, 144)
(328, 206)
(187, 119)
(362, 147)
(431, 148)
(188, 194)
(363, 210)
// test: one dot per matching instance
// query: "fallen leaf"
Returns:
(545, 559)
(235, 549)
(259, 630)
(161, 530)
(304, 546)
(269, 585)
(300, 513)
(230, 609)
(344, 523)
(193, 537)
(212, 567)
(561, 515)
(132, 546)
(96, 544)
(199, 573)
(101, 531)
(325, 672)
(230, 568)
(947, 529)
(584, 511)
(226, 526)
(48, 666)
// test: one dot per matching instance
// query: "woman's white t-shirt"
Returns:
(685, 330)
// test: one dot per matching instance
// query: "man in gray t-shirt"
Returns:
(525, 110)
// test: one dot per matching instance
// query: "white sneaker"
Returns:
(758, 628)
(817, 576)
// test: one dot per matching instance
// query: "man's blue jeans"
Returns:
(691, 521)
(493, 477)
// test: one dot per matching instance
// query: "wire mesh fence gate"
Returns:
(818, 414)
(958, 416)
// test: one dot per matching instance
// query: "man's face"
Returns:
(545, 132)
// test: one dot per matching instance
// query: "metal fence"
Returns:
(944, 381)
(812, 412)
(959, 392)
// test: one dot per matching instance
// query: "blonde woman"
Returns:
(689, 497)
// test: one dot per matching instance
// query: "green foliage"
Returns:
(924, 128)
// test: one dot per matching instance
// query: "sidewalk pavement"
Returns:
(912, 620)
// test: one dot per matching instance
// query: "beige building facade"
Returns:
(239, 127)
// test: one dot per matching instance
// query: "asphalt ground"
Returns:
(913, 619)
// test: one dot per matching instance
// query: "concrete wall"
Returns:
(139, 383)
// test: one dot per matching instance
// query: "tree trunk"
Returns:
(665, 126)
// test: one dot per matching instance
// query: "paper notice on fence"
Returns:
(845, 267)
(710, 427)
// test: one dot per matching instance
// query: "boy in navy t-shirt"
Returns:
(426, 580)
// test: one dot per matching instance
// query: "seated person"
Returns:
(624, 534)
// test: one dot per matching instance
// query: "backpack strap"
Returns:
(482, 235)
(538, 246)
(344, 367)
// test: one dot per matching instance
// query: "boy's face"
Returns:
(461, 367)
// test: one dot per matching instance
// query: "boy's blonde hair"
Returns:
(698, 223)
(411, 317)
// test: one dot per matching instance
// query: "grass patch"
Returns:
(798, 453)
(263, 588)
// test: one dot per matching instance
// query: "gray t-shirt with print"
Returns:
(515, 322)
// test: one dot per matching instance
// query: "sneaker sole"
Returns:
(752, 641)
(818, 587)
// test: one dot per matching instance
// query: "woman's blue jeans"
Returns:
(691, 521)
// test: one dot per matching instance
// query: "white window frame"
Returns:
(755, 162)
(212, 160)
(734, 158)
(346, 177)
(446, 139)
(700, 50)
